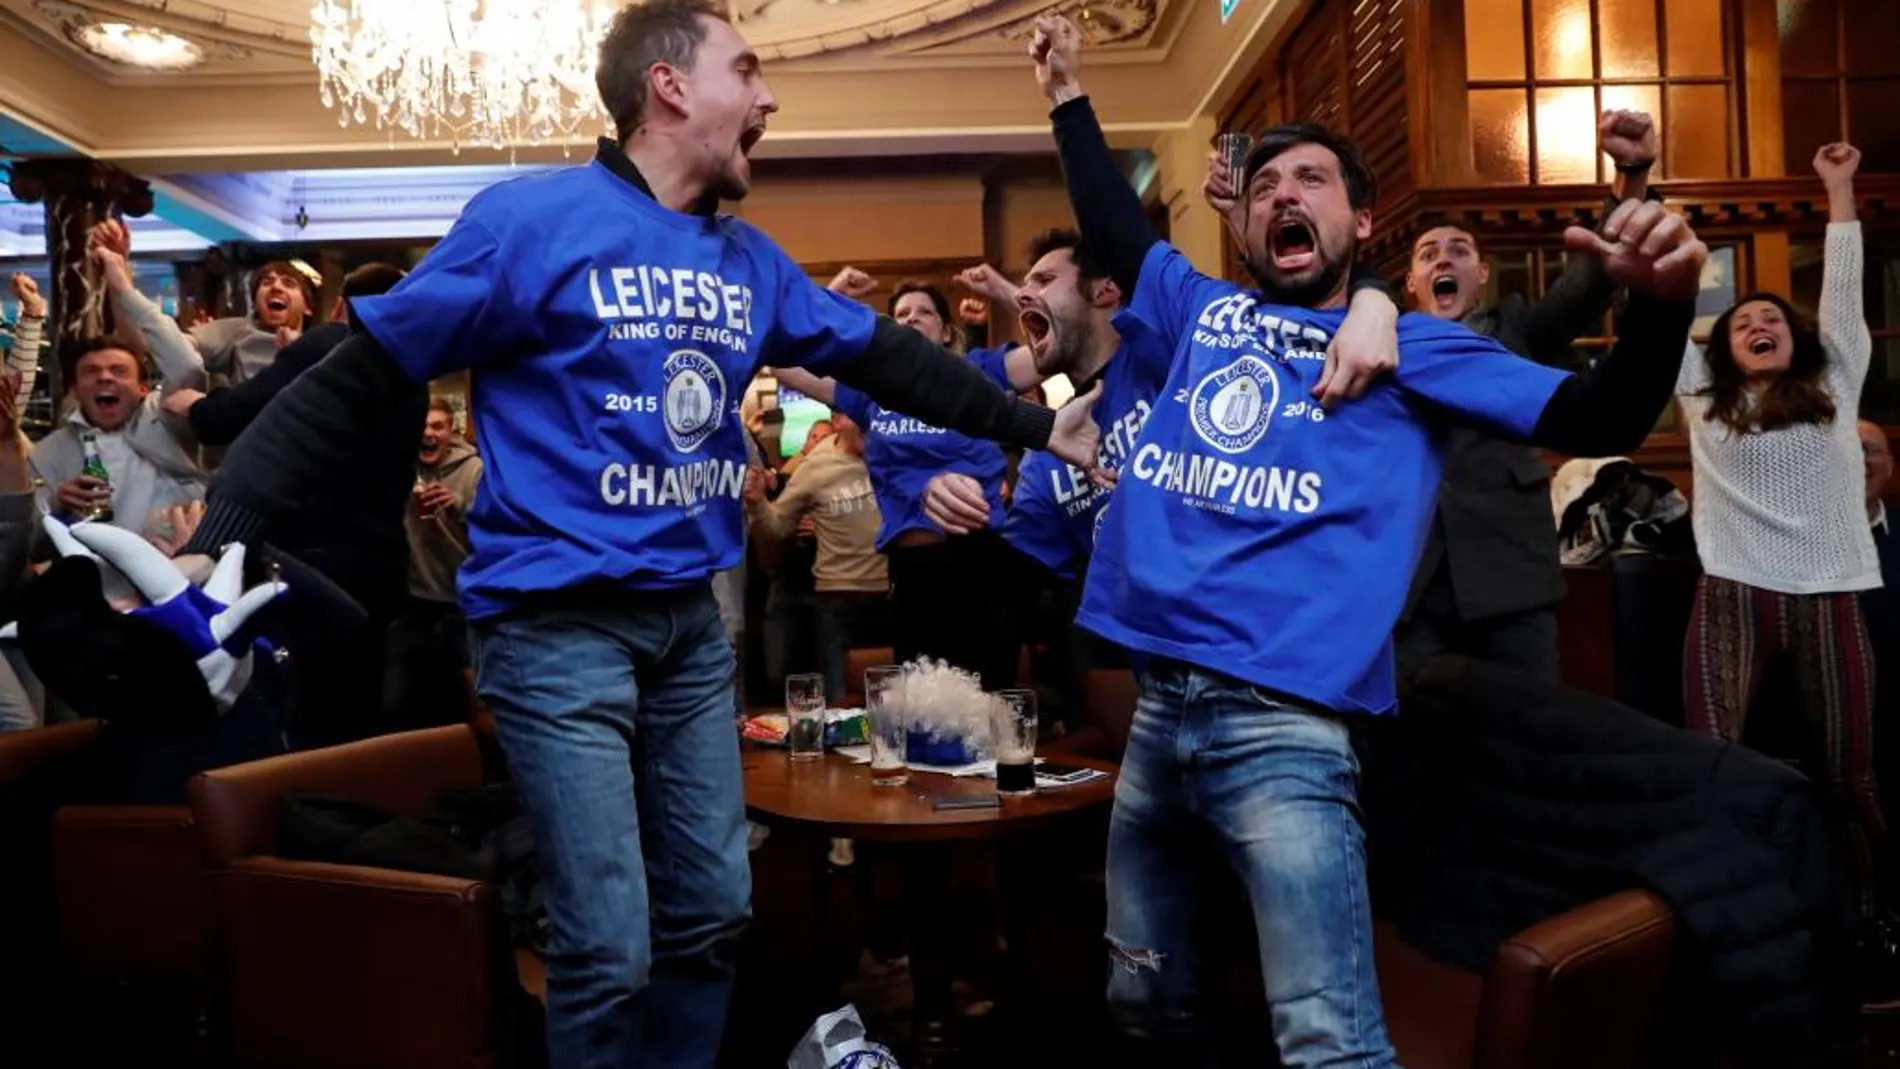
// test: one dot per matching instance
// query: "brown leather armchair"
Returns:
(130, 889)
(38, 769)
(345, 967)
(1576, 991)
(126, 882)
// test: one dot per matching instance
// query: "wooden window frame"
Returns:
(1531, 83)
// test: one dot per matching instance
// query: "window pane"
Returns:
(1804, 267)
(1807, 36)
(1643, 98)
(1566, 136)
(1883, 283)
(1720, 283)
(1695, 37)
(1500, 136)
(1880, 398)
(1810, 118)
(1629, 38)
(1873, 123)
(1494, 40)
(1696, 140)
(1510, 273)
(1873, 45)
(1562, 31)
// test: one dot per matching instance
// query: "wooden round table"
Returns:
(834, 798)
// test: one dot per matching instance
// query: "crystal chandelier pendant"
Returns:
(498, 73)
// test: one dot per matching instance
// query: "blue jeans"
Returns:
(616, 717)
(1275, 786)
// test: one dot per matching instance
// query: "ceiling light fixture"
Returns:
(145, 47)
(486, 72)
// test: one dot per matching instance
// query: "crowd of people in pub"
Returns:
(1275, 500)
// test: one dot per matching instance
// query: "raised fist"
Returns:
(27, 291)
(1836, 162)
(853, 283)
(1628, 137)
(1056, 48)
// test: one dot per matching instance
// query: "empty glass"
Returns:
(805, 716)
(1013, 738)
(887, 721)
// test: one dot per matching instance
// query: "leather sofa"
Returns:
(37, 771)
(112, 896)
(1577, 991)
(328, 966)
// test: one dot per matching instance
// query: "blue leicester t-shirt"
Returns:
(903, 454)
(1057, 509)
(611, 341)
(1257, 535)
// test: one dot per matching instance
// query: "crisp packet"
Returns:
(838, 1041)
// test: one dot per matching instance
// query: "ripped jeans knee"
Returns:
(1149, 993)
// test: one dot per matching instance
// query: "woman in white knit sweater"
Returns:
(1779, 518)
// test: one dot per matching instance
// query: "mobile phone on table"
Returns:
(943, 803)
(1061, 773)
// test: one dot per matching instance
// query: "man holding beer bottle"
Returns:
(118, 458)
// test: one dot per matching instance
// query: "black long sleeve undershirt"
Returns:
(222, 415)
(904, 371)
(1612, 407)
(1605, 411)
(308, 428)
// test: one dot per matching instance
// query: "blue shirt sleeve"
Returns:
(454, 310)
(1168, 295)
(812, 327)
(995, 364)
(852, 402)
(1035, 524)
(1472, 377)
(1150, 357)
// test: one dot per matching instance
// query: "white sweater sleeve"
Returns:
(24, 357)
(1843, 317)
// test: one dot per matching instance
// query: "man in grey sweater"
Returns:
(150, 457)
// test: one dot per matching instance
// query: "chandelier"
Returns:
(484, 72)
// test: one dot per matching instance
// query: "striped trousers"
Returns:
(1735, 630)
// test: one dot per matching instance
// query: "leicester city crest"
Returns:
(1231, 407)
(695, 398)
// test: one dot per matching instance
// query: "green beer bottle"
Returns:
(96, 469)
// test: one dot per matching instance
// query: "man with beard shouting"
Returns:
(1258, 552)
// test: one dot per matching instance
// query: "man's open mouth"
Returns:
(1036, 329)
(750, 138)
(1444, 289)
(107, 403)
(1293, 246)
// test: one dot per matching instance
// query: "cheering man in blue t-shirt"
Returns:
(611, 321)
(1258, 552)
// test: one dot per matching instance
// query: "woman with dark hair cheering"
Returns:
(1779, 519)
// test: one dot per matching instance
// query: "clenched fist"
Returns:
(853, 283)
